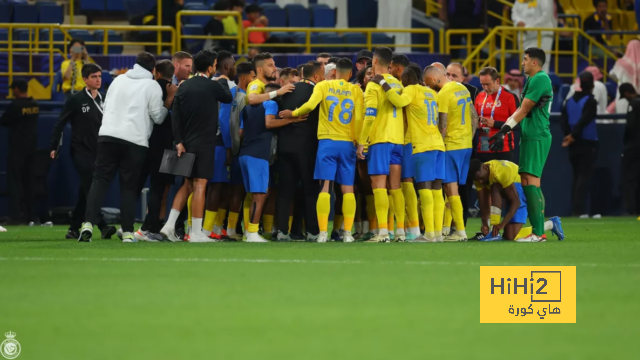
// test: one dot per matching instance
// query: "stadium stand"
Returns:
(93, 5)
(112, 36)
(323, 16)
(277, 16)
(298, 16)
(195, 19)
(50, 13)
(24, 13)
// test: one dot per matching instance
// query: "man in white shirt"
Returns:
(535, 14)
(133, 105)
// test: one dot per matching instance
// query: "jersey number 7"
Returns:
(346, 108)
(464, 102)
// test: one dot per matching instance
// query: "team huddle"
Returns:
(396, 156)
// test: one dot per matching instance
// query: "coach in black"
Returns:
(195, 123)
(297, 148)
(83, 110)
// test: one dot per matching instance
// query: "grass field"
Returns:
(108, 300)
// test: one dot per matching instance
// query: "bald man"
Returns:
(456, 72)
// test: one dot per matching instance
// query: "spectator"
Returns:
(631, 152)
(599, 21)
(514, 81)
(71, 68)
(256, 19)
(133, 104)
(626, 70)
(252, 53)
(599, 90)
(579, 127)
(535, 14)
(21, 117)
(224, 25)
(289, 76)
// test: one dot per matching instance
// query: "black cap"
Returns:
(364, 54)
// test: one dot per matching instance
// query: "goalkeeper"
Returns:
(533, 117)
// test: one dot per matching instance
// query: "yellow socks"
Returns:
(390, 223)
(398, 207)
(222, 213)
(411, 204)
(348, 210)
(253, 228)
(382, 208)
(189, 210)
(209, 220)
(496, 214)
(323, 208)
(267, 223)
(246, 207)
(427, 208)
(456, 212)
(447, 214)
(233, 220)
(524, 232)
(438, 211)
(371, 211)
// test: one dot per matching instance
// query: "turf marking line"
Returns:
(302, 261)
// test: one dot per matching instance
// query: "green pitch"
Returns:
(108, 300)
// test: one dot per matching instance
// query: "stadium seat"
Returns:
(21, 35)
(323, 16)
(107, 79)
(301, 38)
(194, 45)
(58, 36)
(354, 38)
(50, 13)
(262, 2)
(115, 5)
(113, 49)
(276, 15)
(5, 13)
(93, 5)
(382, 39)
(331, 38)
(298, 16)
(189, 2)
(23, 13)
(4, 35)
(201, 20)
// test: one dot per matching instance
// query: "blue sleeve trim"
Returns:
(371, 112)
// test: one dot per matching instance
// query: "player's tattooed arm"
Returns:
(474, 120)
(442, 124)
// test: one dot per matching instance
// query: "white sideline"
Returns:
(302, 261)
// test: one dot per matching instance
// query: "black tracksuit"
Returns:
(85, 116)
(21, 117)
(631, 157)
(297, 148)
(160, 140)
(582, 152)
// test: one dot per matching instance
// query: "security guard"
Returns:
(21, 117)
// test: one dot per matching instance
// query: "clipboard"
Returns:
(174, 165)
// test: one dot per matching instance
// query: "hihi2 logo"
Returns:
(527, 294)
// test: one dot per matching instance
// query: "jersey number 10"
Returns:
(346, 108)
(432, 111)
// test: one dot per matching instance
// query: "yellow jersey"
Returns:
(256, 87)
(341, 107)
(501, 172)
(79, 85)
(419, 103)
(454, 99)
(383, 122)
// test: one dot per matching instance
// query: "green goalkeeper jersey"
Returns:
(536, 125)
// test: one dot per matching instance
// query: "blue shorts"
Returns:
(236, 172)
(456, 166)
(220, 171)
(429, 165)
(521, 214)
(255, 174)
(336, 161)
(407, 162)
(383, 155)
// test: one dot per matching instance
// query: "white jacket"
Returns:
(534, 13)
(132, 105)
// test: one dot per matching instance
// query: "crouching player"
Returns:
(498, 179)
